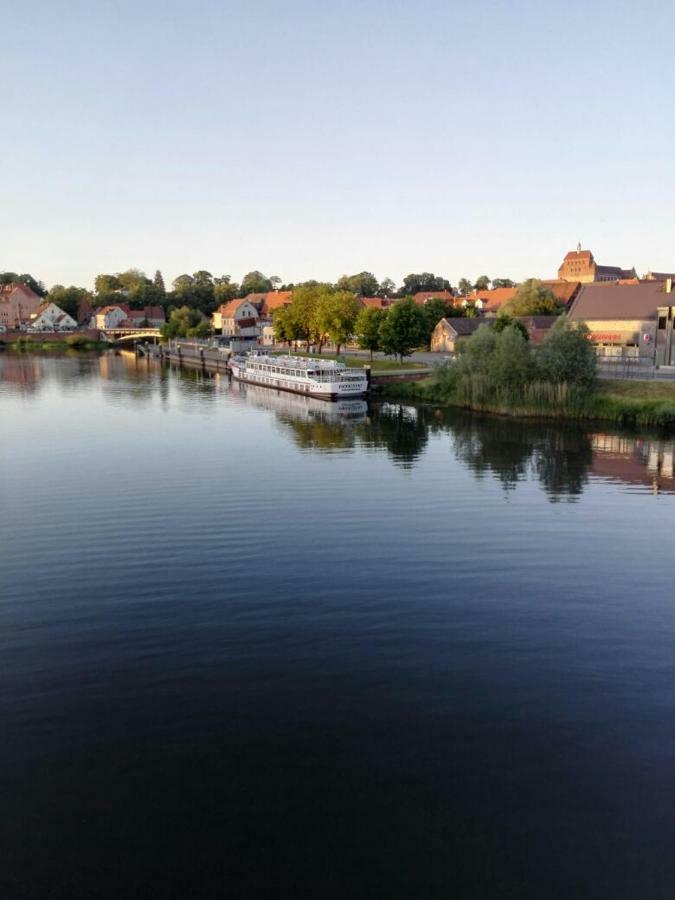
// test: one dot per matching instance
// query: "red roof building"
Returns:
(423, 297)
(18, 303)
(580, 265)
(275, 300)
(376, 302)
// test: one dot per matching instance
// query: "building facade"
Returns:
(110, 316)
(448, 333)
(50, 317)
(633, 321)
(580, 265)
(238, 318)
(18, 303)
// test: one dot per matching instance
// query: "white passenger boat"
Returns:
(322, 378)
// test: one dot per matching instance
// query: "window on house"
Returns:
(662, 323)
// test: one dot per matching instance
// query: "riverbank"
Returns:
(626, 403)
(72, 342)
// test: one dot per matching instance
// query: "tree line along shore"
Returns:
(496, 370)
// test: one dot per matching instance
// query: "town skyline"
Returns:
(509, 272)
(306, 141)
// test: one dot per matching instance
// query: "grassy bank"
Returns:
(72, 342)
(648, 404)
(377, 365)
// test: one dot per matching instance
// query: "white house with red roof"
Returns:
(238, 318)
(119, 315)
(110, 316)
(50, 317)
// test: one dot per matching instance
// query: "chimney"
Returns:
(669, 285)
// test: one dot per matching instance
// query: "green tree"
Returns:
(365, 284)
(107, 284)
(532, 299)
(186, 322)
(35, 285)
(403, 329)
(158, 282)
(224, 290)
(506, 321)
(475, 353)
(387, 288)
(502, 283)
(255, 283)
(425, 281)
(336, 316)
(511, 366)
(491, 367)
(196, 290)
(201, 330)
(69, 299)
(482, 283)
(183, 284)
(133, 282)
(287, 326)
(308, 312)
(464, 287)
(367, 328)
(567, 355)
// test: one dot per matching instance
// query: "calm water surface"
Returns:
(258, 647)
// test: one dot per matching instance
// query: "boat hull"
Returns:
(331, 395)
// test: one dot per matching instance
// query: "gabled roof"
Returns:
(148, 312)
(493, 299)
(462, 325)
(227, 310)
(564, 291)
(614, 271)
(538, 322)
(620, 301)
(421, 297)
(275, 299)
(579, 255)
(7, 290)
(103, 310)
(257, 300)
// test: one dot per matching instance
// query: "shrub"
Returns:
(77, 341)
(567, 355)
(532, 299)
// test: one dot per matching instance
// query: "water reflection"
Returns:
(562, 459)
(637, 461)
(24, 373)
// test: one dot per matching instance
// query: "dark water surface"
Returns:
(253, 647)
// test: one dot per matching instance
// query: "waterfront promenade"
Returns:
(212, 358)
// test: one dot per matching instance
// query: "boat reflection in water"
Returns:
(301, 406)
(566, 459)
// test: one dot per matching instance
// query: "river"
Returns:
(255, 645)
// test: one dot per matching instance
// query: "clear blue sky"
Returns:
(308, 139)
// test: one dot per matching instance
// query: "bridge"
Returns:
(130, 334)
